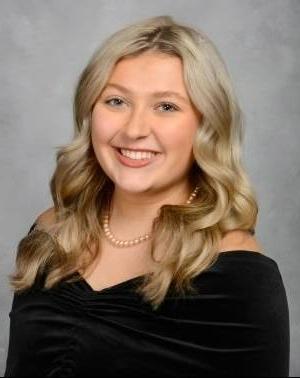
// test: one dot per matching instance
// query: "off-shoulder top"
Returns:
(237, 325)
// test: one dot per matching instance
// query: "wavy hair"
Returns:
(186, 237)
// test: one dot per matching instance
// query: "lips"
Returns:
(126, 161)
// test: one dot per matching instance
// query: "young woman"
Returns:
(147, 264)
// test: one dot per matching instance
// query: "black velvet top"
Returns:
(237, 326)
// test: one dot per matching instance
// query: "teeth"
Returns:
(137, 155)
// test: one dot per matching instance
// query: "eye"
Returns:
(164, 104)
(114, 98)
(168, 105)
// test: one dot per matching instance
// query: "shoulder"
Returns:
(46, 218)
(239, 240)
(254, 274)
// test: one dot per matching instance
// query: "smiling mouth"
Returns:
(150, 154)
(136, 161)
(137, 150)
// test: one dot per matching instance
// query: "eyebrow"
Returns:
(154, 94)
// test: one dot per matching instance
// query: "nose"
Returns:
(137, 125)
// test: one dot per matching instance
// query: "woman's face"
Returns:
(130, 113)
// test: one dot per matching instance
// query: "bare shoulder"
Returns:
(240, 240)
(47, 217)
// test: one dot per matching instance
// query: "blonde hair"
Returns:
(185, 236)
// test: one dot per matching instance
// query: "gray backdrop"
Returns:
(44, 46)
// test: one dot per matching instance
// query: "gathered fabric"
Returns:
(237, 325)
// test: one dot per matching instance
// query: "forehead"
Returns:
(156, 94)
(153, 75)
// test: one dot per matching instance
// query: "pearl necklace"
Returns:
(128, 243)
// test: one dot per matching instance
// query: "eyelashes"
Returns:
(165, 104)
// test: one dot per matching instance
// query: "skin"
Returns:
(140, 120)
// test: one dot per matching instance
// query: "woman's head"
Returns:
(154, 55)
(135, 112)
(204, 136)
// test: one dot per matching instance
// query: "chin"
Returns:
(133, 189)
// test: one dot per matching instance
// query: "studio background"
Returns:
(46, 44)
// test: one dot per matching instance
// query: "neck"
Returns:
(132, 214)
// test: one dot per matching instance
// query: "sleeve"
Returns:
(18, 363)
(273, 317)
(21, 354)
(260, 343)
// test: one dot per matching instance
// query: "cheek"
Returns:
(180, 140)
(99, 133)
(102, 128)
